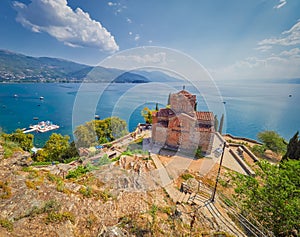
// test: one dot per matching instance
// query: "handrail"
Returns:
(255, 229)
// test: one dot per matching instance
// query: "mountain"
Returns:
(21, 68)
(157, 76)
(15, 67)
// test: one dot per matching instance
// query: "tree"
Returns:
(70, 152)
(199, 153)
(273, 141)
(273, 198)
(100, 131)
(169, 99)
(221, 124)
(216, 124)
(293, 148)
(25, 141)
(156, 107)
(147, 114)
(117, 127)
(55, 148)
(85, 135)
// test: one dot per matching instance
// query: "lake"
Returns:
(249, 107)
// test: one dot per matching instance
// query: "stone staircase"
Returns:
(185, 197)
(202, 199)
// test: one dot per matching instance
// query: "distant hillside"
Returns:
(21, 68)
(16, 67)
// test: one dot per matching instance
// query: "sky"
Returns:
(232, 39)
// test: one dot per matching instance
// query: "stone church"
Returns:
(180, 127)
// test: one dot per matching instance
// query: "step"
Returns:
(171, 193)
(176, 197)
(197, 202)
(186, 198)
(200, 198)
(181, 197)
(190, 201)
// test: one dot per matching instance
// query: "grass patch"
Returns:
(115, 159)
(67, 161)
(105, 195)
(31, 184)
(44, 163)
(32, 173)
(104, 160)
(168, 210)
(86, 191)
(58, 217)
(5, 190)
(7, 224)
(228, 202)
(89, 192)
(60, 186)
(91, 219)
(47, 207)
(187, 176)
(79, 171)
(9, 148)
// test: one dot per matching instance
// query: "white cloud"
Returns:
(289, 37)
(74, 28)
(283, 65)
(291, 52)
(279, 60)
(130, 33)
(264, 48)
(280, 4)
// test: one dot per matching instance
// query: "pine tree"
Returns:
(156, 107)
(216, 123)
(221, 124)
(169, 99)
(293, 148)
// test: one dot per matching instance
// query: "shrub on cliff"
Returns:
(272, 141)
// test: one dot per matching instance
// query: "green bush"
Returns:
(187, 176)
(57, 217)
(104, 160)
(47, 207)
(258, 150)
(79, 171)
(41, 163)
(7, 224)
(273, 141)
(86, 191)
(199, 153)
(71, 159)
(50, 206)
(115, 159)
(5, 190)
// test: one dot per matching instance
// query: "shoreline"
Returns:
(241, 138)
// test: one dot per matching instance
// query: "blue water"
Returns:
(250, 107)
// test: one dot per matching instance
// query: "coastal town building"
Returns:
(181, 127)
